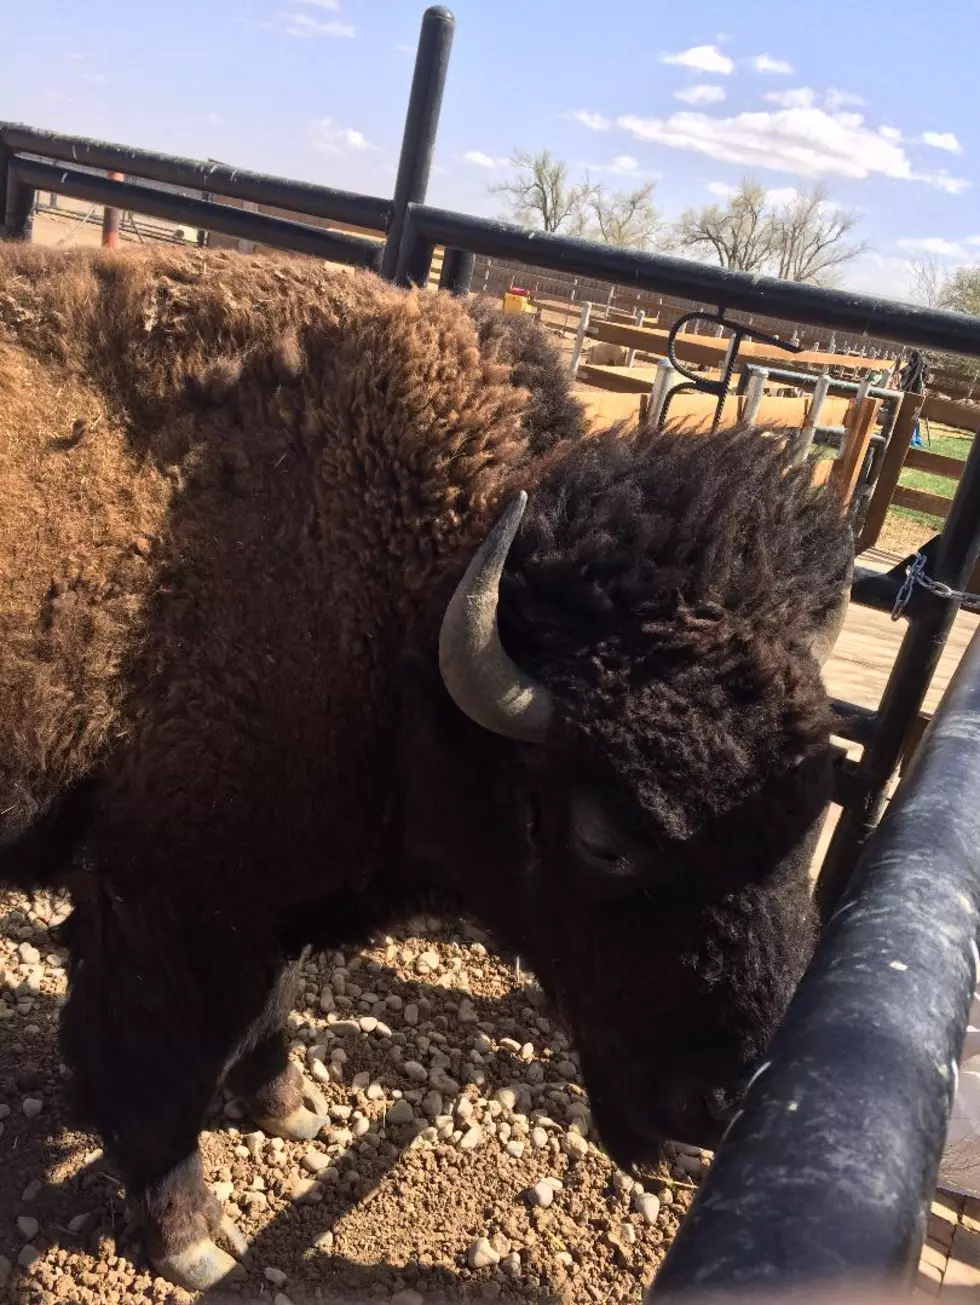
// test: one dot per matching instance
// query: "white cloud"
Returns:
(623, 164)
(722, 189)
(891, 133)
(942, 140)
(322, 4)
(765, 63)
(705, 58)
(327, 138)
(481, 160)
(835, 99)
(937, 245)
(951, 185)
(972, 240)
(594, 121)
(302, 25)
(808, 142)
(213, 119)
(700, 94)
(94, 79)
(403, 48)
(801, 98)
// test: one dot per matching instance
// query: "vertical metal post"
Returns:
(639, 317)
(414, 254)
(19, 201)
(6, 155)
(110, 219)
(458, 266)
(583, 326)
(809, 429)
(664, 381)
(930, 621)
(421, 125)
(754, 390)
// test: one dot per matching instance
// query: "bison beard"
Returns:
(243, 710)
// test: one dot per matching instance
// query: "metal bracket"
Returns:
(696, 382)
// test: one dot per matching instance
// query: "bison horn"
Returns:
(482, 680)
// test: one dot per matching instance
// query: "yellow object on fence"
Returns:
(517, 303)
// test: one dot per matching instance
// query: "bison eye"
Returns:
(597, 842)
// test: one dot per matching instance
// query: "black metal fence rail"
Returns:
(829, 1171)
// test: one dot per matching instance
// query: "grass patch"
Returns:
(939, 439)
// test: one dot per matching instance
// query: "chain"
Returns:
(916, 575)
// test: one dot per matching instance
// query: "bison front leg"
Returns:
(159, 1000)
(272, 1088)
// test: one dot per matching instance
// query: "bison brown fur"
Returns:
(239, 716)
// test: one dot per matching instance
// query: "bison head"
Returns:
(621, 760)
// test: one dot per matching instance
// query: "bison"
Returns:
(318, 604)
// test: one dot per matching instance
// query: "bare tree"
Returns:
(626, 218)
(734, 235)
(804, 240)
(928, 281)
(961, 291)
(539, 196)
(807, 237)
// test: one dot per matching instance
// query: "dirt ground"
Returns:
(461, 1167)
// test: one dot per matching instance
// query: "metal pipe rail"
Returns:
(280, 232)
(928, 328)
(196, 174)
(828, 1172)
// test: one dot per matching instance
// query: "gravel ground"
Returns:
(462, 1165)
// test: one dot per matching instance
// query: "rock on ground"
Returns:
(455, 1104)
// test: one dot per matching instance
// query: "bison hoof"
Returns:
(200, 1266)
(300, 1125)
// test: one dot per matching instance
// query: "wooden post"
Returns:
(891, 469)
(583, 326)
(847, 468)
(110, 219)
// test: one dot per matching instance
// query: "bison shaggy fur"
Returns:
(236, 498)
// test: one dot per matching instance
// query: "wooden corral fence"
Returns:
(899, 454)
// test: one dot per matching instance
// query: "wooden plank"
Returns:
(961, 416)
(604, 407)
(847, 467)
(697, 411)
(624, 380)
(920, 501)
(823, 469)
(891, 469)
(711, 348)
(936, 463)
(779, 410)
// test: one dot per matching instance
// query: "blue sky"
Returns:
(876, 99)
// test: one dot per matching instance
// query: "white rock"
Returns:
(539, 1138)
(28, 954)
(368, 1024)
(374, 1092)
(411, 1014)
(275, 1276)
(511, 1264)
(482, 1255)
(314, 1162)
(223, 1191)
(32, 1107)
(575, 1146)
(508, 1097)
(361, 1080)
(647, 1205)
(400, 1113)
(471, 1139)
(542, 1194)
(515, 1149)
